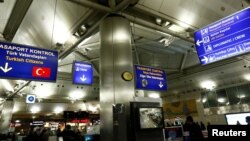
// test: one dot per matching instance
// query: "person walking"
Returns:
(193, 131)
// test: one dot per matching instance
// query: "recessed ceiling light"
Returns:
(247, 77)
(176, 28)
(35, 109)
(58, 110)
(208, 84)
(77, 94)
(204, 100)
(241, 96)
(17, 121)
(221, 100)
(154, 95)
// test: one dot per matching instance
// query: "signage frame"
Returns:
(74, 73)
(50, 63)
(150, 89)
(204, 60)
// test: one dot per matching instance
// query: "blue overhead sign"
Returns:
(82, 73)
(150, 78)
(28, 63)
(225, 38)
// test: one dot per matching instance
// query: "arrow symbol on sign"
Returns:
(6, 69)
(160, 85)
(205, 59)
(198, 42)
(83, 78)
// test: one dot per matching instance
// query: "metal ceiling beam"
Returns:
(198, 68)
(16, 92)
(112, 4)
(89, 45)
(156, 14)
(156, 27)
(91, 60)
(91, 4)
(19, 11)
(89, 32)
(121, 6)
(183, 62)
(94, 27)
(131, 18)
(247, 1)
(2, 37)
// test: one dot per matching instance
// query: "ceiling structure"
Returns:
(162, 37)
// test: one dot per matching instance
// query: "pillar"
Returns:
(115, 59)
(6, 116)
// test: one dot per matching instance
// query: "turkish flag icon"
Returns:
(41, 72)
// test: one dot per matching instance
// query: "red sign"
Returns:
(80, 121)
(41, 72)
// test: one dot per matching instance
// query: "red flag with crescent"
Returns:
(41, 72)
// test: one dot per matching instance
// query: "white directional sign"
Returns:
(83, 78)
(6, 68)
(161, 85)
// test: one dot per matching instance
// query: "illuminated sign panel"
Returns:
(28, 63)
(224, 39)
(82, 73)
(150, 78)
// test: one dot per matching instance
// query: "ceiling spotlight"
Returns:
(76, 34)
(167, 23)
(83, 28)
(204, 100)
(241, 96)
(158, 21)
(1, 99)
(221, 100)
(80, 31)
(17, 121)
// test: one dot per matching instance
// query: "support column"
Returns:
(115, 59)
(6, 116)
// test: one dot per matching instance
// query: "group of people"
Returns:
(193, 130)
(42, 134)
(38, 134)
(69, 135)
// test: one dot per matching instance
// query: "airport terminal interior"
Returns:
(122, 70)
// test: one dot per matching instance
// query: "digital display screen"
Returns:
(151, 118)
(238, 119)
(174, 133)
